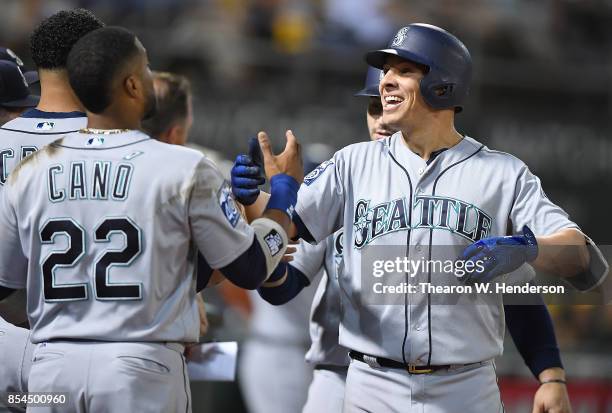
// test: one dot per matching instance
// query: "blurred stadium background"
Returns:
(542, 90)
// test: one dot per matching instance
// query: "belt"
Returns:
(372, 361)
(180, 347)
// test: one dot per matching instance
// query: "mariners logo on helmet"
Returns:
(400, 36)
(14, 56)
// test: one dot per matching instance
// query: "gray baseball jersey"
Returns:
(18, 139)
(384, 195)
(30, 132)
(326, 306)
(102, 230)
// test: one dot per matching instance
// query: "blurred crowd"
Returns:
(542, 90)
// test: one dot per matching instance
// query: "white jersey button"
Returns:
(421, 170)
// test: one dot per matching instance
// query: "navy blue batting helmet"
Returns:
(446, 83)
(370, 88)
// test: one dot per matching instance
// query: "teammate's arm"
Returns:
(284, 284)
(533, 333)
(289, 279)
(246, 256)
(325, 197)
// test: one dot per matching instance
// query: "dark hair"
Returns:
(94, 62)
(172, 92)
(52, 40)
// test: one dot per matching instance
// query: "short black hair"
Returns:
(52, 40)
(172, 92)
(94, 62)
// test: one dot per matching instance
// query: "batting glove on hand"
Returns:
(499, 255)
(247, 174)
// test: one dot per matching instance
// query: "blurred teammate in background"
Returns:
(31, 76)
(171, 124)
(275, 347)
(15, 96)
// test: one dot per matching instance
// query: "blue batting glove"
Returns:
(247, 175)
(495, 256)
(257, 155)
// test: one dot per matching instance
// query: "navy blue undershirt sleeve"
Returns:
(533, 333)
(302, 231)
(5, 292)
(249, 270)
(204, 273)
(294, 283)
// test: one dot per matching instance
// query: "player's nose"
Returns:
(388, 81)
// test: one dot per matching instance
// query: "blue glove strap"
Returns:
(283, 193)
(532, 244)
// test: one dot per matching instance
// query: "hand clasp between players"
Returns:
(288, 162)
(499, 255)
(248, 170)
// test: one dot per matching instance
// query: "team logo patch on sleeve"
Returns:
(228, 206)
(311, 177)
(274, 241)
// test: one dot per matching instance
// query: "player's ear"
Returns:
(175, 135)
(132, 86)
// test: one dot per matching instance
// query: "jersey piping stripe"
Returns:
(501, 401)
(40, 133)
(407, 252)
(433, 193)
(98, 149)
(185, 383)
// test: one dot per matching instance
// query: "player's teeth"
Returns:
(392, 99)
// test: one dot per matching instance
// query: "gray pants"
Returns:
(274, 377)
(326, 392)
(112, 377)
(15, 360)
(377, 389)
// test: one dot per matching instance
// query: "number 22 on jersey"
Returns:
(76, 236)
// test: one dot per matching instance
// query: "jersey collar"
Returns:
(439, 160)
(92, 141)
(40, 114)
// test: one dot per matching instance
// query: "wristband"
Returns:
(553, 381)
(283, 193)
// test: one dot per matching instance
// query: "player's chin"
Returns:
(380, 135)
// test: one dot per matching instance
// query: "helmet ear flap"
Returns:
(437, 93)
(445, 90)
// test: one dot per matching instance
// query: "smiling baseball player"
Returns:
(431, 192)
(326, 393)
(104, 240)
